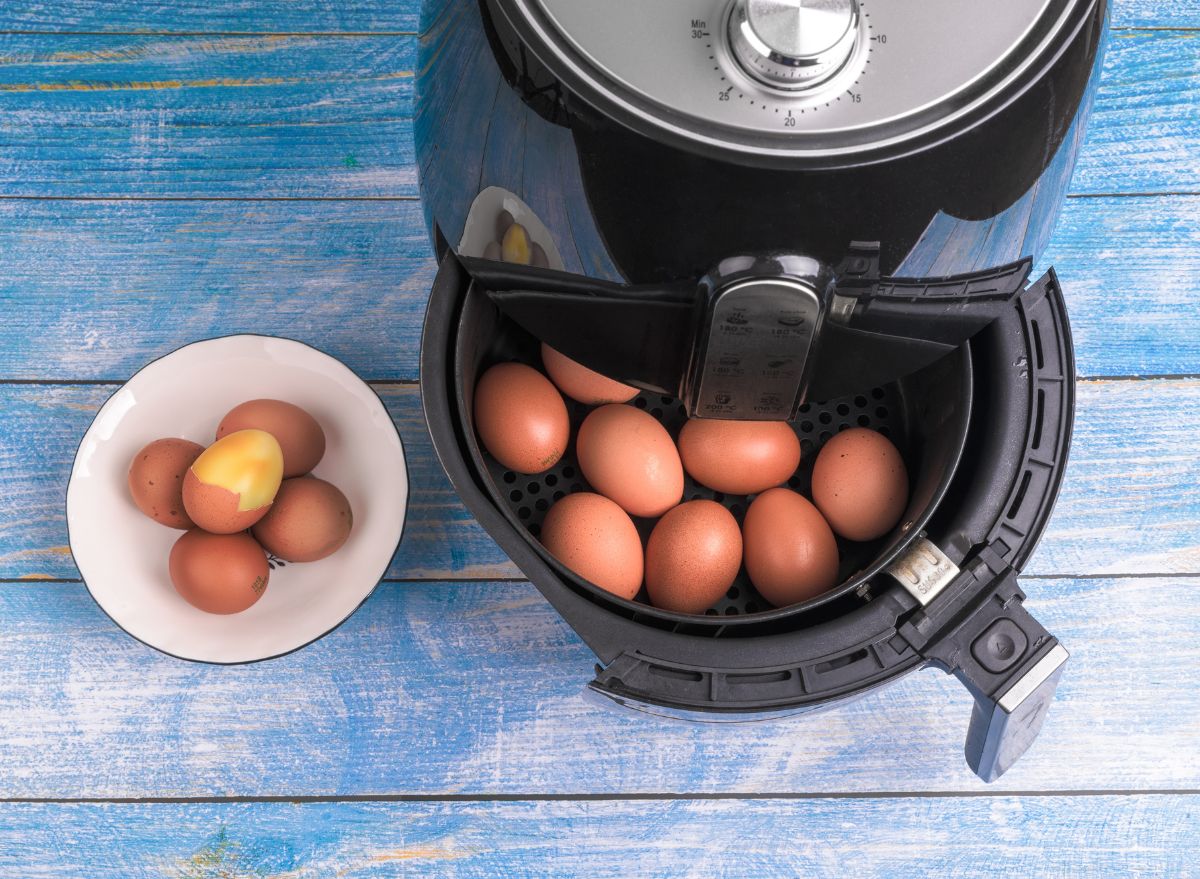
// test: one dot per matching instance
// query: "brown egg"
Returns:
(218, 573)
(597, 540)
(628, 457)
(791, 555)
(583, 384)
(309, 520)
(299, 434)
(521, 418)
(692, 557)
(503, 220)
(231, 484)
(859, 484)
(739, 457)
(156, 480)
(538, 256)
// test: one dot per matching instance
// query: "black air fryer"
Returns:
(860, 188)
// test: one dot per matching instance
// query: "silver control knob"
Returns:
(793, 44)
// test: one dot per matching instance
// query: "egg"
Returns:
(299, 434)
(538, 256)
(231, 484)
(515, 245)
(218, 573)
(504, 219)
(860, 484)
(521, 418)
(739, 457)
(692, 557)
(583, 384)
(156, 480)
(597, 540)
(791, 554)
(627, 456)
(309, 520)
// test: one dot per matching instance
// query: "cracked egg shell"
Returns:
(231, 485)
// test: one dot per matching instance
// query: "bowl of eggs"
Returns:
(237, 499)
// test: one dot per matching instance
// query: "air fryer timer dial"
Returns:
(793, 45)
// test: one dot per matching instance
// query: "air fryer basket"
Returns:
(926, 415)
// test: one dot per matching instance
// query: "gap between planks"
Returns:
(599, 797)
(148, 33)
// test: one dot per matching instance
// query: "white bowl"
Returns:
(122, 554)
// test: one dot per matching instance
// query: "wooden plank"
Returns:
(211, 16)
(93, 290)
(474, 689)
(305, 16)
(303, 116)
(990, 838)
(230, 116)
(1130, 504)
(1143, 135)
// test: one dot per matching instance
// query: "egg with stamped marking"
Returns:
(218, 573)
(521, 418)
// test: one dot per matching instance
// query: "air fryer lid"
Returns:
(815, 78)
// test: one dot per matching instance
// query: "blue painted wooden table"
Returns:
(175, 171)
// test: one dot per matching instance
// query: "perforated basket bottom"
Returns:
(882, 409)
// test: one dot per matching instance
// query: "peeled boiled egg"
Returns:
(156, 480)
(231, 485)
(860, 484)
(692, 557)
(629, 457)
(299, 435)
(218, 573)
(597, 540)
(515, 246)
(309, 520)
(521, 418)
(739, 457)
(791, 554)
(583, 384)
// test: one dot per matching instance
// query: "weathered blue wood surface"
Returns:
(247, 165)
(474, 689)
(988, 838)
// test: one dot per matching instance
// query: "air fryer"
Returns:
(878, 179)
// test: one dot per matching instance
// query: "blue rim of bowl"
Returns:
(331, 629)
